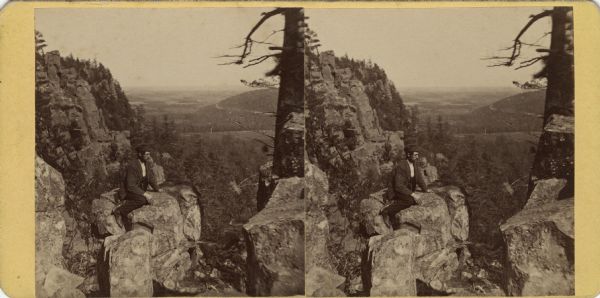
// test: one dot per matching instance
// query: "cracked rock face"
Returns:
(371, 219)
(188, 203)
(423, 248)
(130, 267)
(50, 228)
(102, 216)
(391, 262)
(432, 217)
(164, 217)
(540, 243)
(275, 243)
(321, 278)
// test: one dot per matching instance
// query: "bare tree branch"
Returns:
(248, 43)
(261, 59)
(531, 61)
(517, 43)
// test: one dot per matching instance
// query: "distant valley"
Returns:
(466, 111)
(198, 111)
(480, 111)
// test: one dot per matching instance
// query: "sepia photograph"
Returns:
(440, 145)
(169, 152)
(289, 151)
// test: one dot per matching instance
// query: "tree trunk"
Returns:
(555, 152)
(288, 155)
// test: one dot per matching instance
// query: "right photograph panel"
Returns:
(439, 152)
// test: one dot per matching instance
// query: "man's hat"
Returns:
(142, 148)
(410, 149)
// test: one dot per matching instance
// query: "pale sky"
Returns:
(160, 47)
(431, 47)
(176, 47)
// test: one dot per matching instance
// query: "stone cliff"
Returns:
(71, 129)
(275, 243)
(52, 279)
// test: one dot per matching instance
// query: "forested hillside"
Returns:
(521, 112)
(261, 100)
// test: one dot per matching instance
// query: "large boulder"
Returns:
(163, 216)
(317, 226)
(429, 171)
(190, 210)
(390, 265)
(61, 279)
(49, 187)
(429, 224)
(275, 243)
(102, 214)
(321, 279)
(370, 214)
(545, 191)
(130, 268)
(173, 221)
(540, 244)
(438, 266)
(171, 267)
(459, 214)
(159, 174)
(50, 227)
(431, 217)
(321, 282)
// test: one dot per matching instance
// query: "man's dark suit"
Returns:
(403, 187)
(135, 185)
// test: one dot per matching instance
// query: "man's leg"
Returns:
(132, 202)
(396, 206)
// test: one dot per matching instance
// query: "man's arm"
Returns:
(132, 181)
(151, 176)
(421, 180)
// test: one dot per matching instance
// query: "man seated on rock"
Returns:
(405, 178)
(137, 178)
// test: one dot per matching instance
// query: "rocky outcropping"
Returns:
(81, 114)
(190, 209)
(129, 265)
(51, 278)
(370, 213)
(158, 248)
(321, 278)
(429, 171)
(342, 125)
(391, 264)
(275, 243)
(540, 243)
(426, 243)
(71, 131)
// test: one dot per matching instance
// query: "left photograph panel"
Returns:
(169, 152)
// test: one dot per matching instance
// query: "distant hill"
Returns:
(521, 112)
(527, 102)
(261, 100)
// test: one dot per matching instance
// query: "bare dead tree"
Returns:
(555, 151)
(288, 152)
